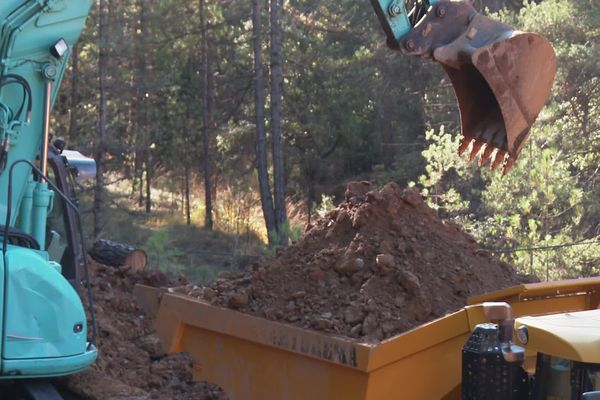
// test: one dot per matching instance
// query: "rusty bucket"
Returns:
(502, 78)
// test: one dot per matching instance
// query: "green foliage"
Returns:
(325, 206)
(162, 254)
(291, 231)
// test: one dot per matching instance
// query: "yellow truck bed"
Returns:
(253, 358)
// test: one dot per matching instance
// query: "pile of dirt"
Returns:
(380, 264)
(131, 363)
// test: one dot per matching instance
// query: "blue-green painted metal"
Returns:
(27, 31)
(42, 309)
(42, 205)
(394, 17)
(25, 211)
(49, 367)
(43, 328)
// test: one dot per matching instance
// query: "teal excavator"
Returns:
(501, 77)
(44, 328)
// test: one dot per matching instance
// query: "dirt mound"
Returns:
(382, 263)
(132, 364)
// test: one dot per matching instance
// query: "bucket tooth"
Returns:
(476, 146)
(464, 144)
(510, 163)
(487, 153)
(500, 155)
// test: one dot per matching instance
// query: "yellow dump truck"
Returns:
(469, 354)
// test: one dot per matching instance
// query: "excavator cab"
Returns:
(66, 169)
(501, 77)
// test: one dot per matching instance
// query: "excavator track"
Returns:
(34, 389)
(41, 389)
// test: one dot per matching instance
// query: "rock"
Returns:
(322, 324)
(421, 308)
(349, 265)
(352, 315)
(413, 197)
(374, 196)
(327, 315)
(388, 327)
(409, 281)
(208, 293)
(151, 344)
(370, 324)
(357, 190)
(317, 275)
(238, 300)
(385, 261)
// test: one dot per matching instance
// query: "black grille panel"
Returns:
(485, 373)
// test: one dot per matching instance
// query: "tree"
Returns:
(101, 136)
(266, 198)
(276, 119)
(208, 116)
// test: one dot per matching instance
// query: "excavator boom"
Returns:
(501, 77)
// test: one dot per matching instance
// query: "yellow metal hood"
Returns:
(573, 335)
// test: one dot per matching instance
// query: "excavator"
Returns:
(502, 78)
(44, 326)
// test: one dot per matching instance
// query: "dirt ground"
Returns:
(132, 364)
(380, 264)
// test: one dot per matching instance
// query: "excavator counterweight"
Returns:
(501, 77)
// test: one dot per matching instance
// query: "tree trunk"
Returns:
(141, 94)
(74, 92)
(276, 111)
(148, 180)
(266, 198)
(186, 193)
(207, 114)
(117, 254)
(140, 180)
(99, 221)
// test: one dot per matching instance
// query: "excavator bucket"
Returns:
(501, 77)
(501, 83)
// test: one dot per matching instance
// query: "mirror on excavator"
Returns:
(501, 77)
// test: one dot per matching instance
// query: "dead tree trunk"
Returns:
(266, 198)
(117, 254)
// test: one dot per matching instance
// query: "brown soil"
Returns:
(131, 363)
(380, 264)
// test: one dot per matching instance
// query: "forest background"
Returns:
(222, 127)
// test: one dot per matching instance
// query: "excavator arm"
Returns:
(501, 77)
